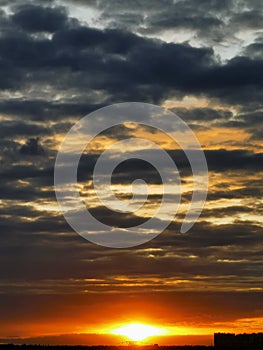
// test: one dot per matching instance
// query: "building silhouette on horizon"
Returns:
(230, 341)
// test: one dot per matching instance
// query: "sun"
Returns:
(138, 331)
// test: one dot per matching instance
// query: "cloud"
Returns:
(122, 66)
(222, 160)
(248, 120)
(32, 148)
(255, 49)
(213, 22)
(172, 14)
(204, 114)
(55, 69)
(44, 110)
(249, 19)
(19, 128)
(34, 18)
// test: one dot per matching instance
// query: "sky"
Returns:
(63, 59)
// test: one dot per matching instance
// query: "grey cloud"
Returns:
(32, 148)
(34, 18)
(250, 121)
(118, 65)
(248, 19)
(251, 189)
(203, 114)
(21, 172)
(106, 60)
(208, 243)
(18, 128)
(255, 50)
(211, 21)
(221, 160)
(42, 110)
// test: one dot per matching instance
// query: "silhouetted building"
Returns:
(230, 341)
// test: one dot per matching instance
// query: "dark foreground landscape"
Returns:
(83, 347)
(222, 341)
(127, 347)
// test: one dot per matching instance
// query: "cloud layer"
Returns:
(60, 60)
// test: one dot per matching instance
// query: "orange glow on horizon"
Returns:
(138, 331)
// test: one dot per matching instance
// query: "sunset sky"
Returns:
(59, 61)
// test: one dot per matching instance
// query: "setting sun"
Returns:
(138, 331)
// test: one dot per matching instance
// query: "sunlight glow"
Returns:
(138, 331)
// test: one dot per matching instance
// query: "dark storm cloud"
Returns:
(255, 49)
(118, 65)
(39, 230)
(128, 171)
(20, 172)
(109, 41)
(251, 189)
(212, 21)
(124, 66)
(172, 14)
(203, 114)
(41, 110)
(239, 73)
(208, 26)
(18, 2)
(68, 256)
(222, 160)
(32, 148)
(116, 219)
(228, 212)
(21, 229)
(34, 18)
(249, 121)
(17, 128)
(216, 242)
(16, 192)
(132, 169)
(248, 19)
(28, 234)
(125, 173)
